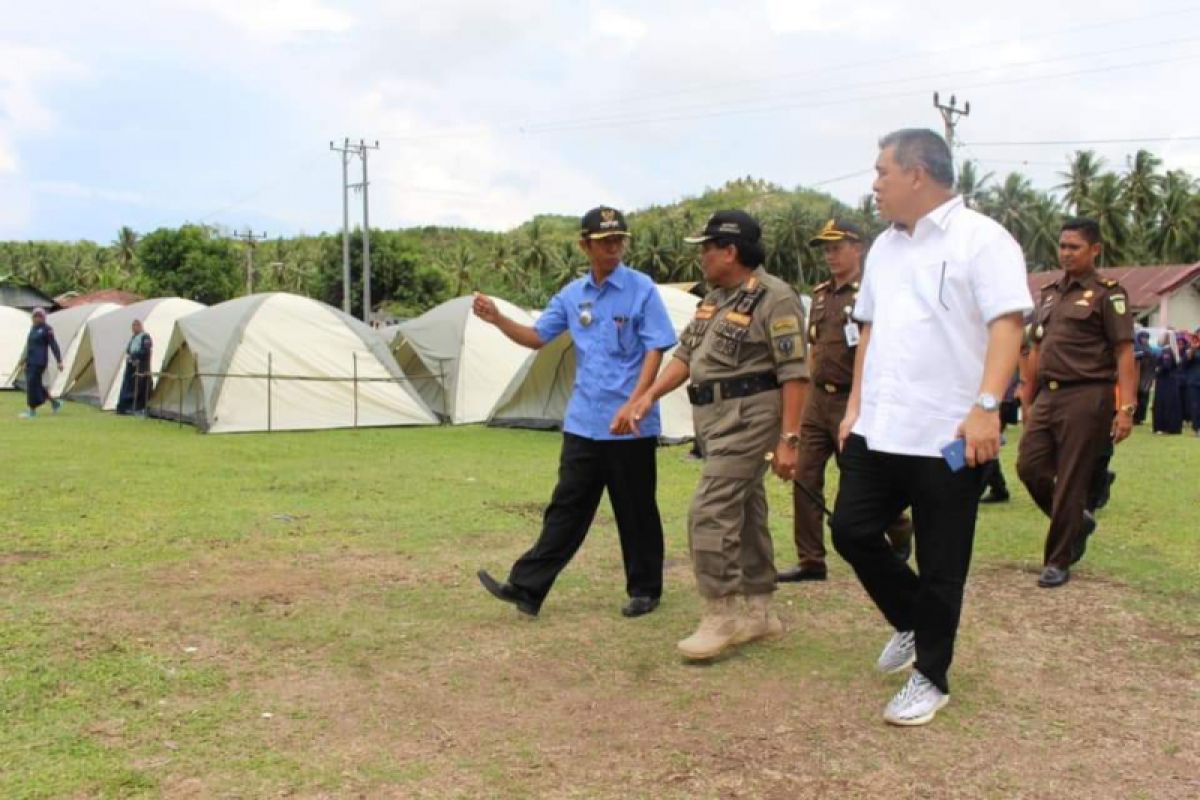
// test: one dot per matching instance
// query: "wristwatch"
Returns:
(1128, 408)
(792, 439)
(987, 402)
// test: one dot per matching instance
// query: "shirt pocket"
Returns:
(1078, 312)
(940, 285)
(621, 335)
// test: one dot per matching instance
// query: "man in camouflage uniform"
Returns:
(744, 352)
(832, 339)
(1082, 344)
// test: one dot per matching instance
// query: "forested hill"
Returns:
(1147, 217)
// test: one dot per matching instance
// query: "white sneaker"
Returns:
(899, 653)
(916, 703)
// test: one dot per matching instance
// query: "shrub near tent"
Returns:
(281, 362)
(459, 364)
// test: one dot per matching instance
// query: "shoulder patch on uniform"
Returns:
(785, 325)
(1118, 301)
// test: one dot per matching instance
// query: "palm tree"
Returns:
(971, 185)
(1082, 172)
(460, 263)
(1044, 219)
(125, 248)
(1142, 186)
(1176, 237)
(1009, 204)
(1106, 204)
(788, 232)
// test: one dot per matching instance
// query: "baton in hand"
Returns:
(818, 501)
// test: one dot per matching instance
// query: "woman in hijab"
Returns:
(1189, 364)
(1168, 410)
(135, 385)
(38, 346)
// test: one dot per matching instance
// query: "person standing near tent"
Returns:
(38, 346)
(135, 385)
(832, 339)
(620, 329)
(745, 355)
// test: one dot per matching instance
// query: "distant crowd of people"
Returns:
(1170, 369)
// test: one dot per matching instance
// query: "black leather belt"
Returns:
(833, 388)
(703, 394)
(1054, 385)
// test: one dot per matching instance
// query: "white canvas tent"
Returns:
(99, 365)
(281, 362)
(459, 364)
(69, 325)
(14, 330)
(537, 397)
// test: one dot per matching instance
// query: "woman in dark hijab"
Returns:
(38, 346)
(1168, 409)
(135, 385)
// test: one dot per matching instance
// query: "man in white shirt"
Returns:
(941, 308)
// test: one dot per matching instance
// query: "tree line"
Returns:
(1147, 216)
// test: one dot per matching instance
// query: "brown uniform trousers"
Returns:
(750, 334)
(1077, 324)
(832, 368)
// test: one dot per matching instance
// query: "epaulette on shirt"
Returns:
(820, 286)
(1109, 282)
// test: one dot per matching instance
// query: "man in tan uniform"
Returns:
(744, 352)
(832, 339)
(1082, 344)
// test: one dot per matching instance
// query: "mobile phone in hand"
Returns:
(955, 454)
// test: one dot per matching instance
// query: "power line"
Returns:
(1069, 142)
(360, 149)
(251, 239)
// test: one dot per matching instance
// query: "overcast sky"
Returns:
(158, 112)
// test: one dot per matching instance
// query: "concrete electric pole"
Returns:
(347, 150)
(251, 239)
(950, 114)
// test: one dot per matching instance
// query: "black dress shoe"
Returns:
(508, 593)
(1089, 527)
(637, 606)
(993, 496)
(797, 574)
(1053, 576)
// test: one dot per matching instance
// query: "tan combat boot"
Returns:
(758, 621)
(717, 631)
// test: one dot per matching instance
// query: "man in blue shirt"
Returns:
(620, 329)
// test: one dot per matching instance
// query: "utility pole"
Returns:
(251, 239)
(950, 114)
(360, 149)
(346, 151)
(363, 148)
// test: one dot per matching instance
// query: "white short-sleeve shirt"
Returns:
(929, 298)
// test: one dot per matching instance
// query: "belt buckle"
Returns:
(1052, 386)
(830, 388)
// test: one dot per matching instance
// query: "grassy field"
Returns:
(297, 615)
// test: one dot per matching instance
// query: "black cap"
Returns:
(728, 225)
(602, 222)
(836, 230)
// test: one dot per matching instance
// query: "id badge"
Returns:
(851, 331)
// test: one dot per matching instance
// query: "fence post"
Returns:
(268, 392)
(355, 389)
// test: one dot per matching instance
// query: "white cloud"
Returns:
(279, 21)
(821, 16)
(77, 191)
(625, 28)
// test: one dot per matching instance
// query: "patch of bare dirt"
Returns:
(1066, 693)
(21, 557)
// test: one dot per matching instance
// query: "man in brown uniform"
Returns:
(744, 352)
(1082, 343)
(832, 339)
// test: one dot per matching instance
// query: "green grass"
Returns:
(154, 583)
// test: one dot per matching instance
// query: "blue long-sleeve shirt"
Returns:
(39, 345)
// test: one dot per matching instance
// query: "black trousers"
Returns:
(628, 470)
(1143, 406)
(875, 487)
(35, 391)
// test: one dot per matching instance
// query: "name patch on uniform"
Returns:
(1083, 303)
(785, 325)
(741, 320)
(706, 311)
